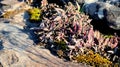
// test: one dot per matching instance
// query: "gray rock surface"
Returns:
(104, 11)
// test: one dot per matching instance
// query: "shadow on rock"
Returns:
(29, 25)
(102, 26)
(1, 46)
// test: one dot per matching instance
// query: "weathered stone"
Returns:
(104, 11)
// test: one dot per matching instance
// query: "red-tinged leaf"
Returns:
(91, 36)
(114, 42)
(89, 20)
(71, 31)
(44, 3)
(75, 27)
(58, 18)
(97, 34)
(79, 29)
(106, 42)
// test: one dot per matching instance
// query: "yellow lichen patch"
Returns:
(93, 59)
(35, 14)
(10, 14)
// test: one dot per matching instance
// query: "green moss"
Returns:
(93, 59)
(35, 14)
(61, 44)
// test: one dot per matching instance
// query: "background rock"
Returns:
(104, 11)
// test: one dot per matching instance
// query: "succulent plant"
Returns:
(69, 34)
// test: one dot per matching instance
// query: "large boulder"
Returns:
(104, 11)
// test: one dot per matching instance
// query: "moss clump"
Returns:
(61, 48)
(61, 45)
(35, 14)
(93, 59)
